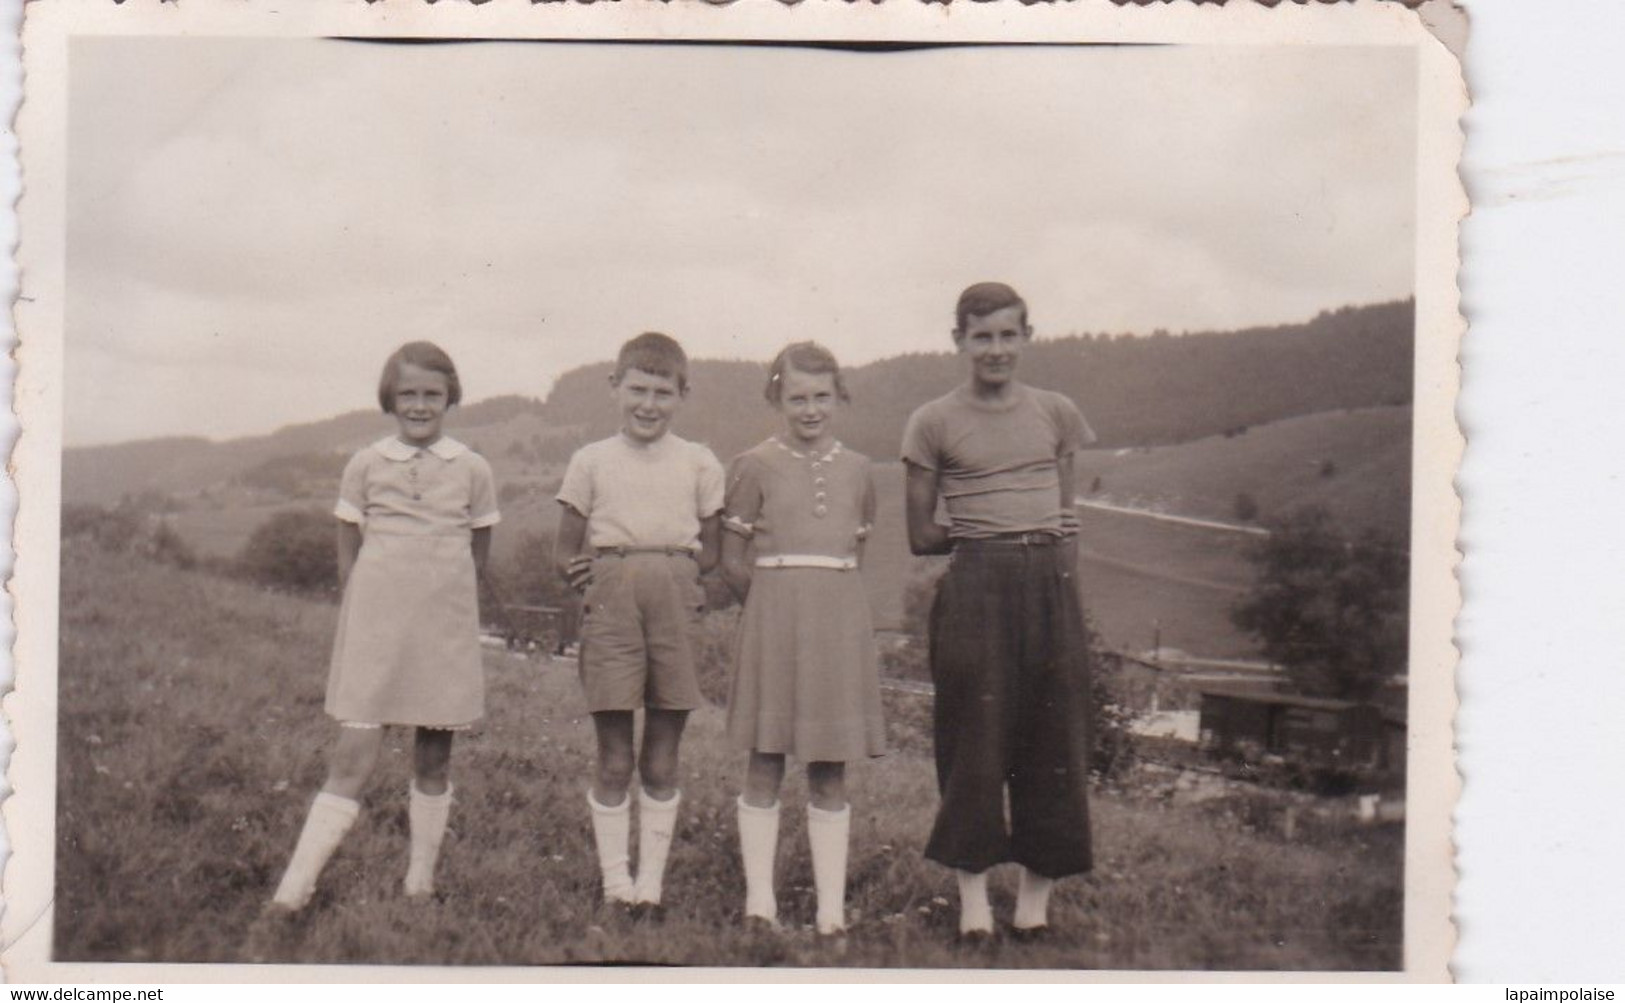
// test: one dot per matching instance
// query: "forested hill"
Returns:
(1152, 390)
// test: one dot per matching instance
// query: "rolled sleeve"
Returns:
(742, 505)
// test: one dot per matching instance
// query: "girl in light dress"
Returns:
(415, 513)
(805, 682)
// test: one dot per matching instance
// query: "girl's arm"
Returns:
(349, 545)
(572, 565)
(710, 545)
(736, 564)
(925, 534)
(870, 505)
(482, 549)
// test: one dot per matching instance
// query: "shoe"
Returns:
(1032, 934)
(646, 912)
(762, 926)
(974, 938)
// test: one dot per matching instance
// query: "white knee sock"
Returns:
(657, 820)
(427, 814)
(612, 831)
(1032, 900)
(330, 818)
(975, 915)
(827, 832)
(758, 845)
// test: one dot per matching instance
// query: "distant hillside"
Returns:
(1135, 391)
(1356, 464)
(1154, 390)
(102, 475)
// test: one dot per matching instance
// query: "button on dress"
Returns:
(805, 680)
(407, 649)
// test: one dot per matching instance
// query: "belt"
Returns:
(1040, 539)
(807, 561)
(629, 551)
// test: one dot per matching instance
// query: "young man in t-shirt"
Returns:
(1008, 644)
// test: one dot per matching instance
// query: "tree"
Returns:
(1334, 613)
(293, 550)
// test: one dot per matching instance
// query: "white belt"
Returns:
(807, 561)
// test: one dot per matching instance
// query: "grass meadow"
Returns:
(191, 740)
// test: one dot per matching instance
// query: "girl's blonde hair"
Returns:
(424, 355)
(803, 357)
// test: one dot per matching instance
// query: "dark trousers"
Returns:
(1011, 668)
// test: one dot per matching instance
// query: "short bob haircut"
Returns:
(654, 353)
(803, 357)
(984, 298)
(424, 355)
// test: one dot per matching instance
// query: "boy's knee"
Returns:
(659, 775)
(615, 769)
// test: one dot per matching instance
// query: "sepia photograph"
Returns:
(812, 498)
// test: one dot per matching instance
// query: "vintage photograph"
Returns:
(914, 502)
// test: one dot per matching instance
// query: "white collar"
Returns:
(833, 450)
(393, 448)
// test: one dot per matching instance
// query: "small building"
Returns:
(1241, 720)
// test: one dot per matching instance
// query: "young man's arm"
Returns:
(349, 546)
(925, 534)
(710, 545)
(1065, 469)
(572, 565)
(736, 564)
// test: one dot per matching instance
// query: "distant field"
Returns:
(1280, 465)
(191, 739)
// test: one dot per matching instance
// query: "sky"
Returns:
(255, 224)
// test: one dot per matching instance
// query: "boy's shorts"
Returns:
(639, 621)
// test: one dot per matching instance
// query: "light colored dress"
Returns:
(805, 679)
(407, 649)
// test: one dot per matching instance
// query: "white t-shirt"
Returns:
(643, 495)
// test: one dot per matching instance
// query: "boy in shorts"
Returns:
(639, 526)
(1008, 652)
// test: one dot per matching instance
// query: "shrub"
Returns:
(110, 529)
(127, 531)
(293, 550)
(1111, 744)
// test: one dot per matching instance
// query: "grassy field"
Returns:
(191, 739)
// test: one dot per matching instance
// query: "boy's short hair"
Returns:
(655, 353)
(803, 357)
(424, 355)
(984, 298)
